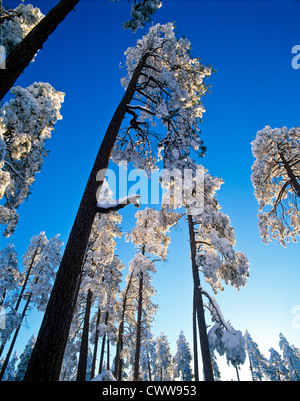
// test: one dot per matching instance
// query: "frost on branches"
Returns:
(182, 360)
(224, 338)
(26, 122)
(215, 241)
(276, 181)
(16, 24)
(141, 12)
(169, 91)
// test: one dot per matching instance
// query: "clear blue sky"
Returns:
(249, 43)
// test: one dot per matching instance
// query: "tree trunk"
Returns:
(149, 367)
(108, 355)
(207, 366)
(46, 360)
(103, 346)
(96, 346)
(138, 330)
(291, 175)
(119, 348)
(25, 51)
(82, 364)
(195, 340)
(27, 276)
(4, 366)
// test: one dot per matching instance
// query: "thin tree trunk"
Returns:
(96, 345)
(27, 276)
(102, 354)
(108, 355)
(23, 288)
(195, 339)
(4, 366)
(46, 360)
(119, 348)
(237, 373)
(207, 366)
(82, 364)
(149, 367)
(25, 51)
(138, 330)
(292, 177)
(103, 346)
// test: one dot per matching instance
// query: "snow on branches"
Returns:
(215, 243)
(276, 181)
(224, 338)
(16, 24)
(169, 90)
(26, 122)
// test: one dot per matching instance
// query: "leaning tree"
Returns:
(164, 83)
(276, 180)
(40, 27)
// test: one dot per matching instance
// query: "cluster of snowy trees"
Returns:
(91, 306)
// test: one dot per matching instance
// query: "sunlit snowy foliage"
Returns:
(26, 122)
(276, 180)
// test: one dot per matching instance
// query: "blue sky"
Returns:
(249, 43)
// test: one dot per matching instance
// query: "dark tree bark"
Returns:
(96, 346)
(138, 330)
(204, 344)
(25, 51)
(195, 339)
(119, 347)
(82, 364)
(46, 360)
(103, 346)
(23, 287)
(295, 183)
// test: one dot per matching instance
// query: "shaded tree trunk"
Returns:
(96, 346)
(119, 348)
(25, 51)
(82, 364)
(138, 330)
(195, 339)
(46, 360)
(207, 366)
(103, 346)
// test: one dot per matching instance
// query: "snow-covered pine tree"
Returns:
(39, 283)
(164, 359)
(215, 242)
(276, 181)
(11, 277)
(182, 360)
(26, 34)
(151, 239)
(276, 368)
(26, 29)
(167, 82)
(148, 359)
(31, 257)
(211, 243)
(26, 122)
(291, 356)
(258, 362)
(24, 359)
